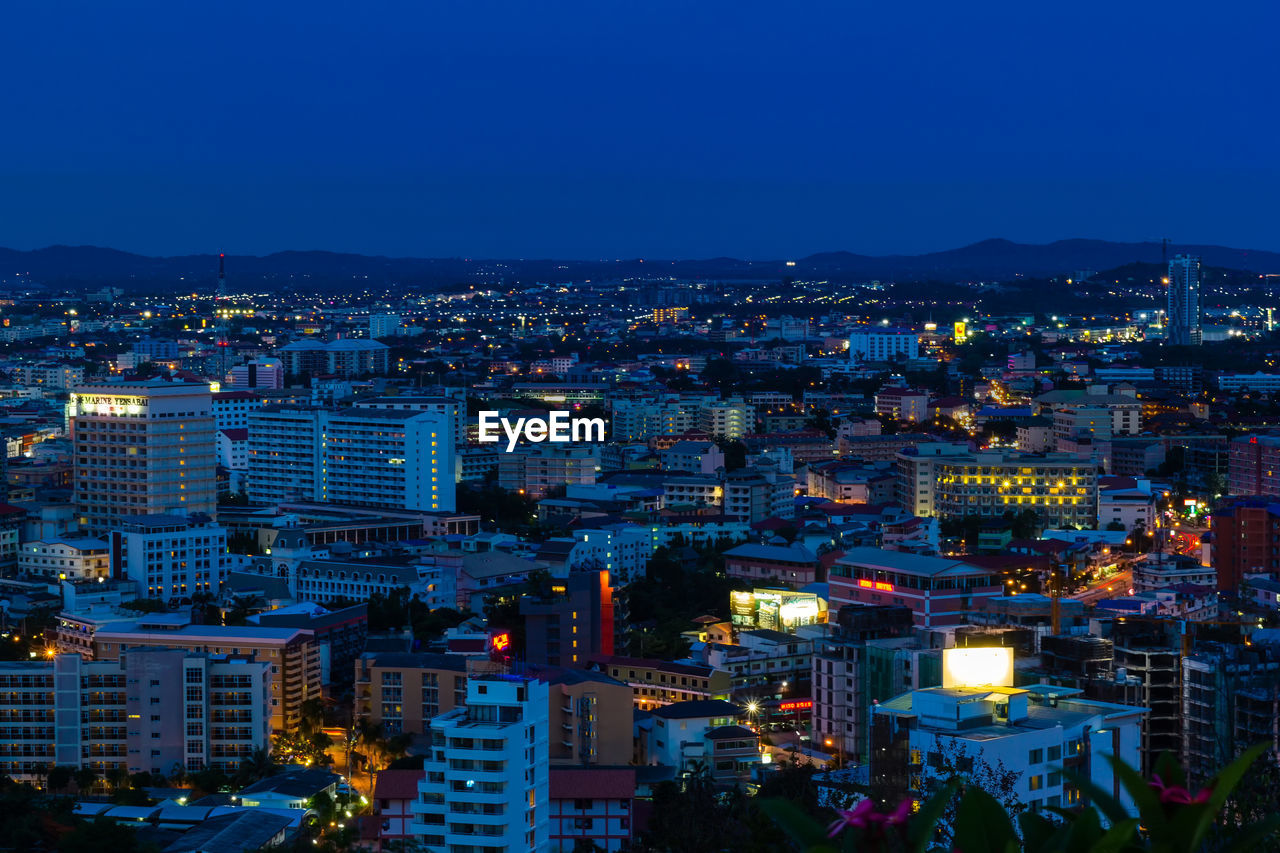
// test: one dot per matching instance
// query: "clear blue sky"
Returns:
(623, 129)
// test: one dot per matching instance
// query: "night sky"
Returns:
(621, 129)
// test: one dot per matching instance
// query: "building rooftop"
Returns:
(904, 562)
(696, 709)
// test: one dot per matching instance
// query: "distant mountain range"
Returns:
(91, 266)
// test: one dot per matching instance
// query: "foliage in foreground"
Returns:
(1170, 818)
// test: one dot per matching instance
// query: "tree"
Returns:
(86, 778)
(59, 778)
(951, 762)
(102, 834)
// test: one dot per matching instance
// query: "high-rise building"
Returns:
(1253, 466)
(1246, 542)
(397, 459)
(883, 344)
(571, 624)
(142, 449)
(152, 710)
(384, 325)
(487, 784)
(1183, 320)
(259, 373)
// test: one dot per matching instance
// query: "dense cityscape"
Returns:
(359, 571)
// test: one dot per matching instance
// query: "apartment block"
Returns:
(656, 682)
(152, 710)
(392, 458)
(487, 783)
(170, 556)
(291, 655)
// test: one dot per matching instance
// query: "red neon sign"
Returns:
(797, 705)
(501, 642)
(880, 585)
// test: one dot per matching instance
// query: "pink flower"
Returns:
(865, 817)
(1174, 795)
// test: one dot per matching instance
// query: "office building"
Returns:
(396, 459)
(487, 783)
(170, 556)
(1182, 323)
(142, 449)
(153, 710)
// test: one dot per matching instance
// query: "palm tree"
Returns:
(257, 765)
(85, 778)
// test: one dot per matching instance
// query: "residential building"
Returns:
(487, 783)
(1245, 542)
(363, 457)
(883, 344)
(344, 357)
(231, 409)
(1041, 731)
(394, 792)
(1061, 489)
(259, 373)
(403, 692)
(1182, 322)
(153, 711)
(655, 683)
(571, 624)
(1253, 466)
(793, 565)
(839, 684)
(72, 558)
(536, 471)
(384, 325)
(170, 556)
(142, 449)
(291, 654)
(592, 806)
(704, 732)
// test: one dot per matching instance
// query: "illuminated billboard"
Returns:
(985, 667)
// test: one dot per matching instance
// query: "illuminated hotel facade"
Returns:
(1061, 488)
(142, 449)
(938, 591)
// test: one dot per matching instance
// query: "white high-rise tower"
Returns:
(1183, 320)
